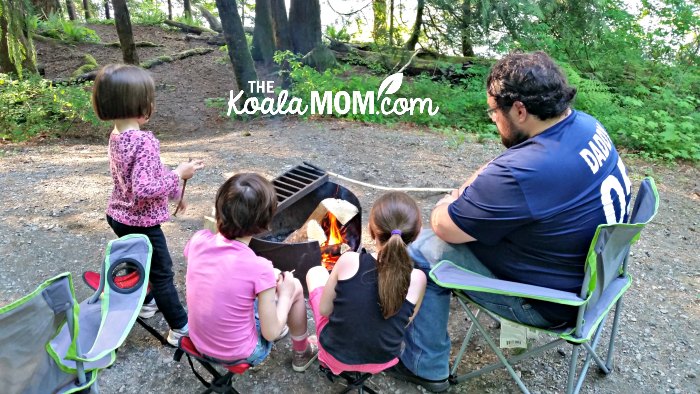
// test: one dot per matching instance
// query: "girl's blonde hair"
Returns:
(394, 222)
(123, 91)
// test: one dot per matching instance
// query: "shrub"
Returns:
(33, 106)
(56, 27)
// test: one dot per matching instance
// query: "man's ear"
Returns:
(521, 113)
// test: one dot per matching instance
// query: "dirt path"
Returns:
(52, 220)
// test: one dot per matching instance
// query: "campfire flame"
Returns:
(331, 254)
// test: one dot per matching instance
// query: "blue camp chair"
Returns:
(50, 344)
(605, 282)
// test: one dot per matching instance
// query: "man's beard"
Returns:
(515, 136)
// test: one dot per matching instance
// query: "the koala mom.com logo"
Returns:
(331, 103)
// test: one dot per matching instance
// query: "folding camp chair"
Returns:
(93, 279)
(606, 280)
(50, 344)
(354, 380)
(218, 383)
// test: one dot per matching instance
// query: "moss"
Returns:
(321, 58)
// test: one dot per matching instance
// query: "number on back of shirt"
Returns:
(611, 188)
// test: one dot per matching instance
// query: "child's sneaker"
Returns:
(301, 361)
(148, 310)
(175, 334)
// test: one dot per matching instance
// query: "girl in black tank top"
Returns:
(363, 307)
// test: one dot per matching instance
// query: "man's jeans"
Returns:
(427, 350)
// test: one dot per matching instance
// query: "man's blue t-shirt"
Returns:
(534, 209)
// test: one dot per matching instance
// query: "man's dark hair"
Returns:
(245, 204)
(533, 79)
(123, 91)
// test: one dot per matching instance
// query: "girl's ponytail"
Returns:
(394, 222)
(394, 268)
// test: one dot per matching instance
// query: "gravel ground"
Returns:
(55, 193)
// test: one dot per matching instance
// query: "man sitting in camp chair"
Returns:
(527, 216)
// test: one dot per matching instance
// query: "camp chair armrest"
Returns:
(447, 274)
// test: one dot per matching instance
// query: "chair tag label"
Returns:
(513, 335)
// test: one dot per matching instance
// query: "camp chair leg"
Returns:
(498, 352)
(356, 381)
(572, 369)
(590, 356)
(513, 360)
(465, 342)
(613, 333)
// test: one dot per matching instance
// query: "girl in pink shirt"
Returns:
(238, 303)
(125, 94)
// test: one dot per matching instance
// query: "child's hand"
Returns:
(186, 170)
(285, 285)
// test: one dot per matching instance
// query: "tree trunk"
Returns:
(107, 9)
(7, 27)
(71, 10)
(6, 65)
(188, 9)
(415, 32)
(242, 61)
(379, 30)
(44, 8)
(126, 36)
(467, 45)
(263, 36)
(170, 9)
(86, 9)
(305, 16)
(391, 23)
(280, 25)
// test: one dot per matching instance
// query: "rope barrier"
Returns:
(401, 189)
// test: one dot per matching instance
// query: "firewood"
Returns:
(310, 231)
(341, 209)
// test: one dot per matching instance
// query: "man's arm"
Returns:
(471, 179)
(442, 223)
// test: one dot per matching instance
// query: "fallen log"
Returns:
(90, 76)
(188, 28)
(451, 68)
(213, 21)
(139, 44)
(175, 56)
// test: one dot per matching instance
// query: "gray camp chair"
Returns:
(606, 280)
(50, 344)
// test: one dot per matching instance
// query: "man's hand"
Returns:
(448, 198)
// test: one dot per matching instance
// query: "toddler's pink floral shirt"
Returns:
(142, 184)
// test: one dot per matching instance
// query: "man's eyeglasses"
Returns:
(491, 111)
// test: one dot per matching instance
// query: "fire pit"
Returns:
(303, 194)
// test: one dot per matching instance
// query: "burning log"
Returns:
(341, 209)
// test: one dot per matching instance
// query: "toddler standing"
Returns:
(125, 94)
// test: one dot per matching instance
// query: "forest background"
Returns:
(635, 64)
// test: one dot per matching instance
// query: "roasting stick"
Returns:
(400, 189)
(182, 194)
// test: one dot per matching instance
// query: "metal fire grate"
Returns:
(296, 183)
